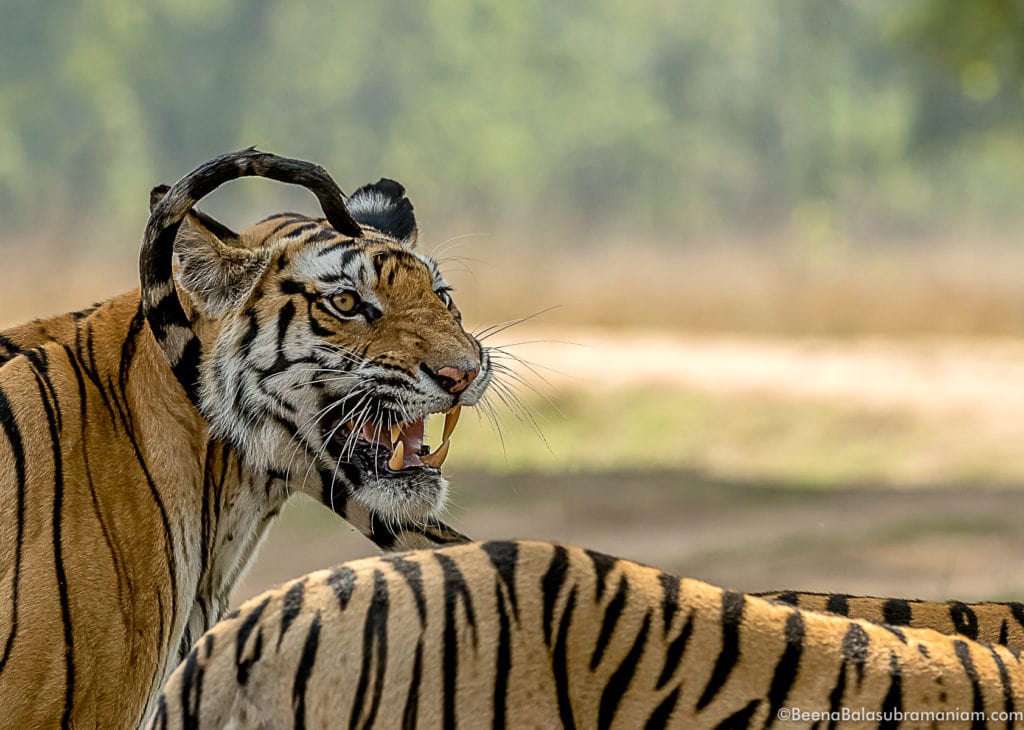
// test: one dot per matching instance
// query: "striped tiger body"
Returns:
(531, 634)
(146, 443)
(991, 622)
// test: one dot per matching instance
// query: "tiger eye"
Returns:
(345, 302)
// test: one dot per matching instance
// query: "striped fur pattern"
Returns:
(129, 513)
(991, 622)
(530, 634)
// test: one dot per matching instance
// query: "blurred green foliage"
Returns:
(861, 119)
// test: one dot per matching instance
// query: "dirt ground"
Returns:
(943, 542)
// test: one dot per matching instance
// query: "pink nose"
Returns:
(455, 380)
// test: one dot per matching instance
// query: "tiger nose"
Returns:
(452, 379)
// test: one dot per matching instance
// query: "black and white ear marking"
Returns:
(383, 206)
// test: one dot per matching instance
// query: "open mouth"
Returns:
(396, 450)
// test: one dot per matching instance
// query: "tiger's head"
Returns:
(324, 352)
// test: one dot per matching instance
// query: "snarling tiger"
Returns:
(530, 635)
(147, 442)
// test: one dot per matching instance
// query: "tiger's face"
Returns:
(324, 355)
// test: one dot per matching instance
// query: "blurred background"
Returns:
(770, 252)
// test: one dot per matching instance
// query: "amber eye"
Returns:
(347, 302)
(445, 296)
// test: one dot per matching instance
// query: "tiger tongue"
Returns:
(411, 433)
(408, 440)
(412, 437)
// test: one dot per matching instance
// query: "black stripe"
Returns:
(787, 667)
(560, 663)
(965, 621)
(612, 612)
(58, 556)
(191, 690)
(855, 649)
(669, 599)
(300, 229)
(375, 652)
(603, 565)
(13, 434)
(413, 576)
(412, 699)
(185, 644)
(94, 497)
(160, 716)
(334, 492)
(504, 557)
(835, 697)
(674, 653)
(290, 607)
(1004, 681)
(551, 585)
(896, 612)
(287, 219)
(838, 603)
(790, 598)
(186, 371)
(619, 682)
(1004, 632)
(455, 588)
(963, 653)
(305, 668)
(663, 712)
(10, 346)
(342, 581)
(502, 661)
(740, 718)
(732, 615)
(165, 314)
(155, 265)
(242, 637)
(89, 365)
(316, 328)
(897, 632)
(1017, 609)
(322, 236)
(892, 705)
(168, 543)
(249, 336)
(41, 364)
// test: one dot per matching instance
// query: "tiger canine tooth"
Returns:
(396, 431)
(450, 419)
(398, 458)
(436, 459)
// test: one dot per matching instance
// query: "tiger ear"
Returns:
(383, 206)
(214, 269)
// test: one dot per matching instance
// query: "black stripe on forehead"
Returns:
(399, 259)
(281, 217)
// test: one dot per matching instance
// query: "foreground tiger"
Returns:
(531, 634)
(147, 442)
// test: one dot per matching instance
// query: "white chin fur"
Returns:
(414, 498)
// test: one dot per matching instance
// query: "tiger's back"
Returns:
(530, 634)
